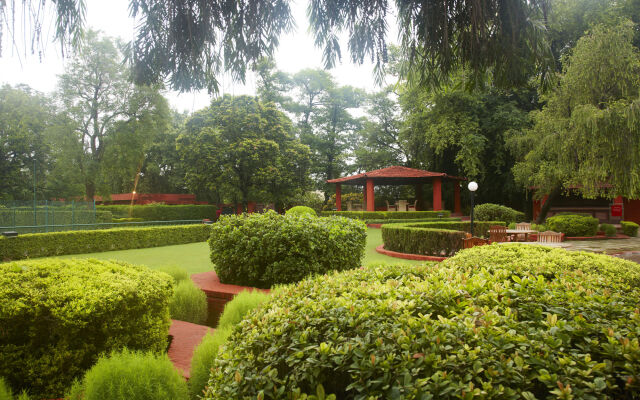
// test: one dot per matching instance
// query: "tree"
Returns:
(102, 108)
(239, 148)
(588, 133)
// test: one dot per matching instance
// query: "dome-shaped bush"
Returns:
(421, 332)
(497, 212)
(301, 210)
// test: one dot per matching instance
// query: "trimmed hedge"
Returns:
(79, 242)
(368, 215)
(57, 317)
(497, 212)
(53, 216)
(120, 220)
(399, 221)
(439, 239)
(163, 212)
(629, 228)
(301, 210)
(573, 224)
(262, 250)
(436, 332)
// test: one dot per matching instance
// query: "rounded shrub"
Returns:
(608, 229)
(235, 310)
(629, 228)
(497, 212)
(573, 224)
(130, 375)
(301, 210)
(261, 250)
(57, 317)
(438, 331)
(188, 303)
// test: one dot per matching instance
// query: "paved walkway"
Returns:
(186, 337)
(629, 246)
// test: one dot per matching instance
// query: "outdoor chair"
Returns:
(412, 207)
(522, 226)
(550, 237)
(392, 207)
(498, 234)
(468, 243)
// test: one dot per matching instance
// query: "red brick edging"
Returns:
(407, 256)
(186, 337)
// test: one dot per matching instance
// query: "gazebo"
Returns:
(397, 175)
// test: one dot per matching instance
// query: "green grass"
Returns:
(194, 257)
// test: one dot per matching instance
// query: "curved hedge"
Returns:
(497, 212)
(431, 238)
(58, 316)
(367, 215)
(78, 242)
(298, 210)
(262, 250)
(422, 332)
(573, 224)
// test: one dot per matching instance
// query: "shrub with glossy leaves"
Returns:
(629, 228)
(497, 212)
(423, 332)
(573, 224)
(131, 376)
(57, 317)
(299, 210)
(261, 250)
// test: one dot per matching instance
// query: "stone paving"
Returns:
(630, 248)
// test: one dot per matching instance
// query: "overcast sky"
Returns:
(296, 52)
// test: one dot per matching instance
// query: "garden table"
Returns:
(402, 205)
(524, 232)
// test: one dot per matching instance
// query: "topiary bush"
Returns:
(573, 225)
(299, 210)
(57, 317)
(497, 212)
(629, 228)
(439, 331)
(130, 375)
(608, 229)
(262, 250)
(188, 303)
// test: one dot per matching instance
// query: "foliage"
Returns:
(58, 316)
(242, 303)
(439, 332)
(261, 250)
(53, 216)
(313, 200)
(163, 212)
(608, 229)
(203, 358)
(5, 391)
(122, 220)
(357, 198)
(629, 228)
(424, 241)
(367, 215)
(497, 212)
(573, 225)
(188, 303)
(131, 375)
(298, 210)
(178, 274)
(80, 242)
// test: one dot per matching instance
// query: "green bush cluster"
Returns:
(262, 250)
(397, 221)
(163, 212)
(573, 224)
(497, 212)
(608, 229)
(297, 210)
(441, 239)
(188, 303)
(57, 317)
(629, 228)
(378, 215)
(131, 375)
(79, 242)
(357, 197)
(551, 328)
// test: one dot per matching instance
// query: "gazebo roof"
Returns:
(395, 175)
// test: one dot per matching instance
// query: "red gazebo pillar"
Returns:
(456, 198)
(437, 194)
(369, 197)
(339, 196)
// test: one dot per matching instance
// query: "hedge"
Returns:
(163, 212)
(301, 210)
(497, 212)
(397, 221)
(79, 242)
(573, 224)
(629, 228)
(58, 316)
(262, 250)
(608, 229)
(431, 238)
(435, 332)
(53, 216)
(368, 215)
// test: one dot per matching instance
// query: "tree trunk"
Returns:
(89, 190)
(547, 204)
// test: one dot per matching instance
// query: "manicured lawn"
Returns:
(194, 257)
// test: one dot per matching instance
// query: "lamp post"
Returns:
(473, 186)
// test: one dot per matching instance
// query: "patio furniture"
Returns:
(550, 237)
(412, 207)
(517, 232)
(498, 234)
(468, 243)
(391, 207)
(402, 205)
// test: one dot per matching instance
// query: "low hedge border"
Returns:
(385, 215)
(629, 228)
(78, 242)
(163, 212)
(440, 239)
(401, 221)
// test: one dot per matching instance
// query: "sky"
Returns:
(296, 52)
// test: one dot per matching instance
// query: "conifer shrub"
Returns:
(188, 303)
(262, 250)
